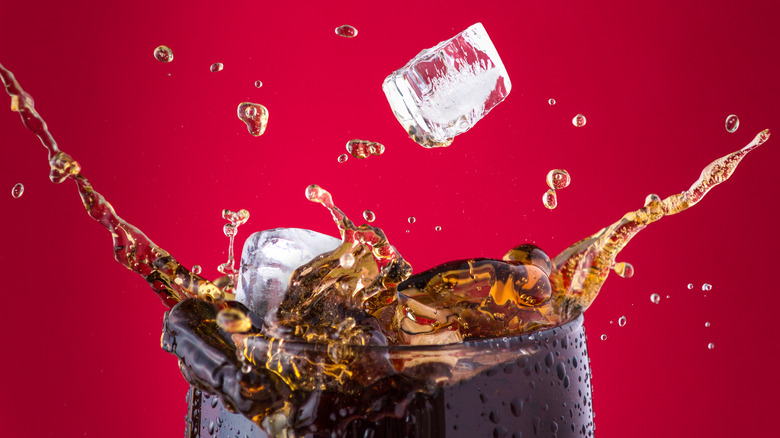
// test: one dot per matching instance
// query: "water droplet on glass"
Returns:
(690, 285)
(551, 101)
(707, 324)
(706, 286)
(17, 190)
(558, 179)
(412, 219)
(550, 199)
(347, 260)
(437, 228)
(258, 84)
(196, 269)
(163, 54)
(603, 337)
(369, 216)
(624, 269)
(622, 321)
(346, 31)
(233, 321)
(255, 116)
(579, 121)
(217, 66)
(710, 345)
(343, 158)
(732, 123)
(246, 368)
(655, 298)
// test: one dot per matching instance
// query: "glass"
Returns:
(530, 385)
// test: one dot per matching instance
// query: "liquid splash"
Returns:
(163, 54)
(346, 31)
(235, 220)
(558, 179)
(363, 149)
(550, 199)
(582, 269)
(169, 279)
(17, 190)
(255, 116)
(732, 124)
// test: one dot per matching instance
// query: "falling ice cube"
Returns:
(268, 260)
(445, 90)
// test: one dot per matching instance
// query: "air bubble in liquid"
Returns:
(347, 260)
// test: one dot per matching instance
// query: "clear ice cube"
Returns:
(445, 90)
(269, 258)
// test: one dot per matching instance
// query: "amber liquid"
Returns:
(544, 391)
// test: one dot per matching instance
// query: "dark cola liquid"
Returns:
(545, 391)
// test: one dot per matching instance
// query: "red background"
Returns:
(655, 80)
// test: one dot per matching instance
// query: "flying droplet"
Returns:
(255, 116)
(655, 298)
(229, 230)
(196, 269)
(163, 54)
(652, 198)
(710, 345)
(624, 269)
(732, 123)
(690, 285)
(437, 228)
(346, 31)
(622, 321)
(579, 121)
(550, 199)
(707, 324)
(233, 321)
(258, 84)
(603, 337)
(347, 260)
(412, 219)
(551, 101)
(17, 190)
(706, 286)
(558, 179)
(343, 158)
(369, 216)
(215, 67)
(363, 149)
